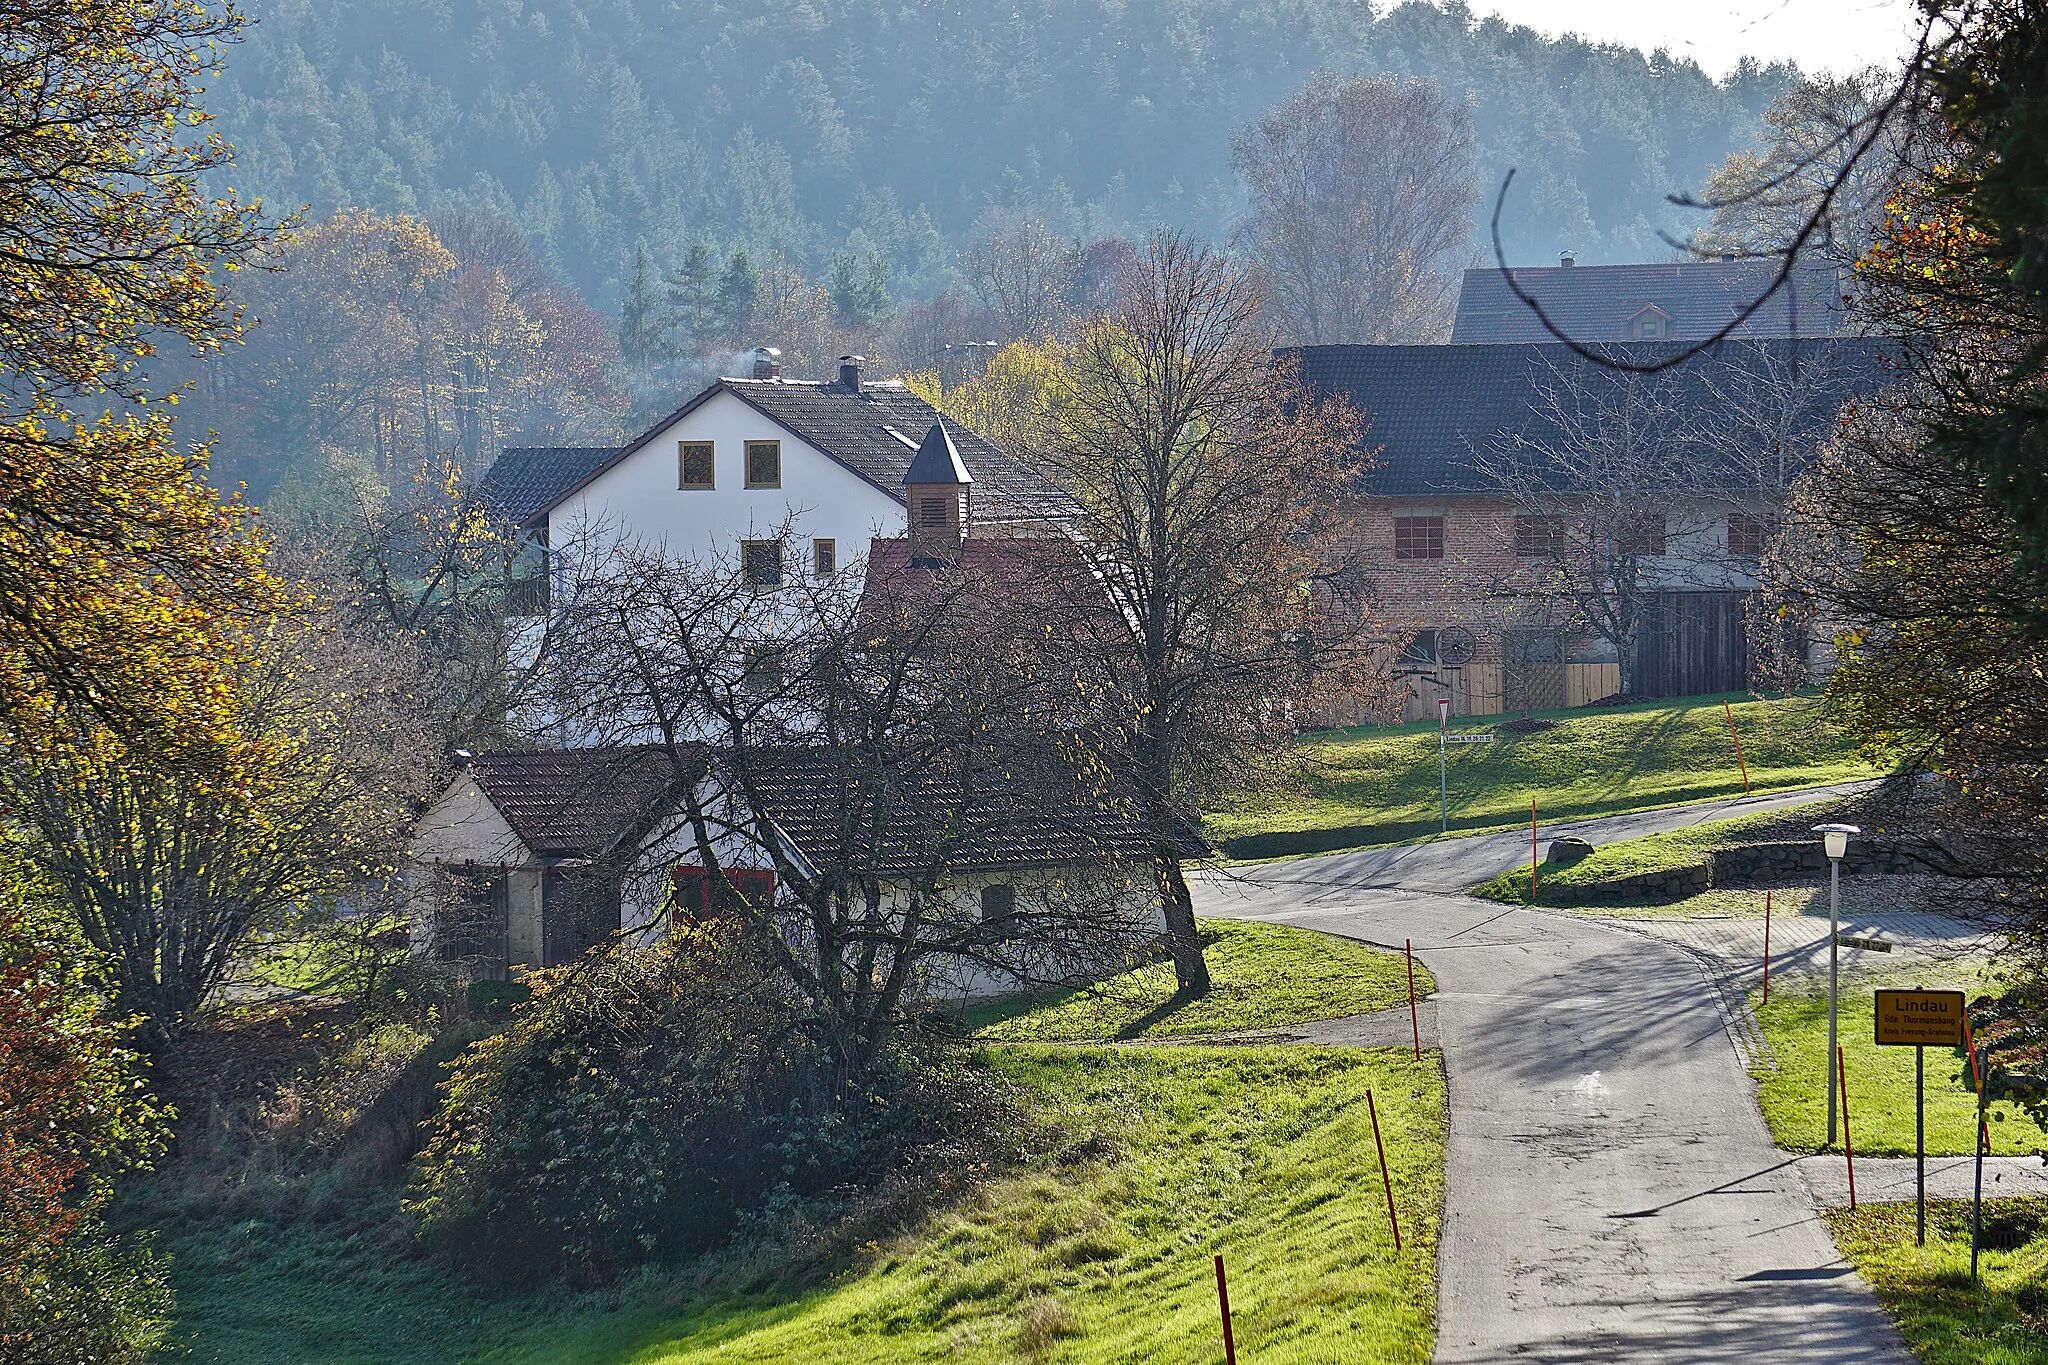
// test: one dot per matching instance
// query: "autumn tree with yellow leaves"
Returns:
(120, 570)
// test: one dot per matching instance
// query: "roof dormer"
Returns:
(1649, 323)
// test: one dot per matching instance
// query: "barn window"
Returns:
(824, 557)
(1539, 537)
(1421, 650)
(1746, 536)
(1419, 537)
(998, 901)
(1642, 537)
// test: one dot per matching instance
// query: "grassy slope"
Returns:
(1250, 1152)
(1946, 1319)
(1178, 1154)
(1266, 976)
(1378, 785)
(1626, 857)
(1794, 1097)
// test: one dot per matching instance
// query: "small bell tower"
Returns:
(936, 490)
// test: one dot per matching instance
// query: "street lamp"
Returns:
(1835, 839)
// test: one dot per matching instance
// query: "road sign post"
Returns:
(1920, 1019)
(1443, 765)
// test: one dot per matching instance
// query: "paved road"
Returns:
(1613, 1194)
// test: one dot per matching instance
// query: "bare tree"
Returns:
(1364, 191)
(168, 868)
(1208, 481)
(1810, 167)
(1626, 484)
(880, 755)
(1024, 273)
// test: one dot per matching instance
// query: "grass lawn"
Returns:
(1098, 1253)
(1627, 857)
(1946, 1319)
(1379, 785)
(1794, 1098)
(1265, 976)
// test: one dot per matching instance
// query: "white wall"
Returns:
(638, 500)
(464, 827)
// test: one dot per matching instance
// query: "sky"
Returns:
(1819, 35)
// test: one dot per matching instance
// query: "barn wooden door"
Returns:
(1532, 668)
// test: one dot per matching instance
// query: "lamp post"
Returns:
(1835, 839)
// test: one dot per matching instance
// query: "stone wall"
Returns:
(1744, 865)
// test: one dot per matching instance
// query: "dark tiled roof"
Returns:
(575, 803)
(937, 460)
(873, 431)
(826, 806)
(582, 802)
(876, 433)
(1430, 408)
(527, 480)
(1595, 302)
(1022, 593)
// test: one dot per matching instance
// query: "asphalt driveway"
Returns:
(1613, 1194)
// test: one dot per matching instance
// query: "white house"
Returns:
(785, 476)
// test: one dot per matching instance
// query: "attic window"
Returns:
(764, 464)
(824, 557)
(694, 464)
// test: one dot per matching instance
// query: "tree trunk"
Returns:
(1190, 967)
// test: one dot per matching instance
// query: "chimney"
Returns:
(935, 489)
(767, 363)
(1566, 259)
(849, 372)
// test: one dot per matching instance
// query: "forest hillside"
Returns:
(622, 130)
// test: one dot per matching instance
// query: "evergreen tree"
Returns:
(860, 289)
(739, 293)
(643, 318)
(693, 294)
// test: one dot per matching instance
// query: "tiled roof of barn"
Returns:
(1432, 408)
(1595, 302)
(565, 803)
(527, 480)
(873, 431)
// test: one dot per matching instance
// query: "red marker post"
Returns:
(1223, 1303)
(1737, 742)
(1414, 1020)
(1386, 1181)
(1848, 1146)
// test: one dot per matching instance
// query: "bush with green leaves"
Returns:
(73, 1115)
(649, 1101)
